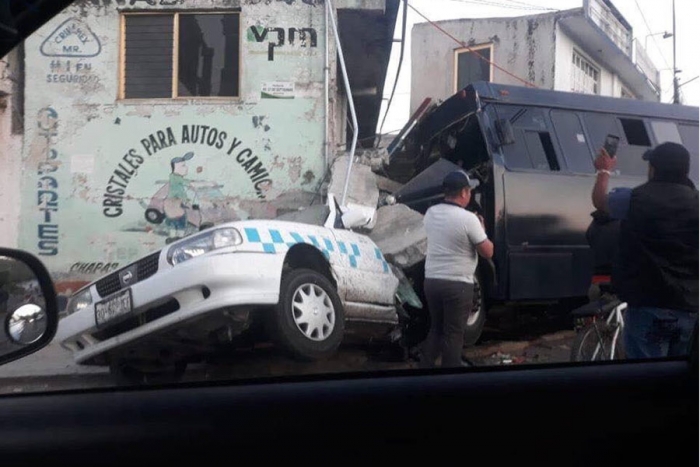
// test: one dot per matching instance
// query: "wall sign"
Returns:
(277, 90)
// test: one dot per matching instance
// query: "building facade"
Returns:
(589, 50)
(140, 121)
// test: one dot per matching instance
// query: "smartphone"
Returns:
(611, 144)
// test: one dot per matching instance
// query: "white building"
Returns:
(589, 49)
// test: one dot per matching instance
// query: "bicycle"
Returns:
(599, 326)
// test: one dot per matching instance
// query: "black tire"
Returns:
(474, 325)
(127, 373)
(154, 216)
(301, 341)
(584, 344)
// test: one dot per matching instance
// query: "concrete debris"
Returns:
(272, 208)
(502, 358)
(385, 184)
(374, 158)
(362, 190)
(400, 235)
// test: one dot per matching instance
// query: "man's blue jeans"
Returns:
(657, 332)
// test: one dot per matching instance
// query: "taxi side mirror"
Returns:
(356, 216)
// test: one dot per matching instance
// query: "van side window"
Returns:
(665, 131)
(635, 132)
(541, 151)
(689, 137)
(533, 148)
(572, 140)
(629, 155)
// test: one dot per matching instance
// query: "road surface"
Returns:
(524, 340)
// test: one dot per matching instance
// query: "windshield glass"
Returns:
(148, 147)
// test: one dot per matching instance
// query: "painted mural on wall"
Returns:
(108, 181)
(181, 202)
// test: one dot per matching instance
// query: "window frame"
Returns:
(571, 168)
(121, 90)
(548, 128)
(594, 66)
(460, 50)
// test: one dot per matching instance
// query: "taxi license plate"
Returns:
(114, 307)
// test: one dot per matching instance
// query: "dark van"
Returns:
(533, 152)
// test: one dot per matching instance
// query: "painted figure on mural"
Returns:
(179, 200)
(175, 209)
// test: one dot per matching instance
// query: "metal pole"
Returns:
(351, 104)
(676, 97)
(326, 84)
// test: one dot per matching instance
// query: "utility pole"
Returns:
(676, 97)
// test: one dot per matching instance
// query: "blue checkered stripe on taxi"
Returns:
(277, 241)
(380, 257)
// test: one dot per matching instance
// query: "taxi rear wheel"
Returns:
(308, 321)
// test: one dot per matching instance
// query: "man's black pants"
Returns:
(449, 303)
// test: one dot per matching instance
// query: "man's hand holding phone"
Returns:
(606, 160)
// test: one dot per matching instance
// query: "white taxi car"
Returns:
(302, 280)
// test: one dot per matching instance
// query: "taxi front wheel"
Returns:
(309, 320)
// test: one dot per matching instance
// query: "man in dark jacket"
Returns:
(657, 268)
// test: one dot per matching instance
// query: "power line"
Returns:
(530, 4)
(653, 38)
(470, 50)
(689, 81)
(513, 6)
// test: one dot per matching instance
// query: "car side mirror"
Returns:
(28, 305)
(357, 216)
(504, 131)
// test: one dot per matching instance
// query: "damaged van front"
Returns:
(532, 151)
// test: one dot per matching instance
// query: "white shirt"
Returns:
(453, 234)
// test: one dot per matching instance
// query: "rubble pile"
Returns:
(396, 229)
(362, 190)
(399, 233)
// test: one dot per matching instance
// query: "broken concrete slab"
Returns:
(376, 158)
(270, 208)
(400, 235)
(386, 184)
(362, 189)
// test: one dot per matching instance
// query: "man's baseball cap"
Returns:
(669, 158)
(457, 180)
(184, 158)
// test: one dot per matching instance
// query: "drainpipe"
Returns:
(351, 104)
(326, 84)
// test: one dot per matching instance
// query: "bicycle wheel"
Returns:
(594, 343)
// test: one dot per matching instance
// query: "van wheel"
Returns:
(476, 318)
(309, 320)
(126, 373)
(154, 216)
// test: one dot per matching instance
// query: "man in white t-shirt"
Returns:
(455, 239)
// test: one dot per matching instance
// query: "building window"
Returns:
(180, 55)
(469, 67)
(585, 77)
